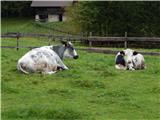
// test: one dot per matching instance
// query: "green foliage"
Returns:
(115, 18)
(16, 9)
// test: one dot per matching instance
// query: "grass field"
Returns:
(90, 90)
(27, 25)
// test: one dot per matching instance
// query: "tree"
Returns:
(16, 9)
(115, 18)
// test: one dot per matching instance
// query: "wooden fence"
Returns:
(142, 42)
(72, 38)
(35, 35)
(126, 42)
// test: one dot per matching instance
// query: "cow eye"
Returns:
(71, 48)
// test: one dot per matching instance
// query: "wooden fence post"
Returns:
(90, 34)
(68, 38)
(18, 35)
(106, 32)
(81, 37)
(125, 40)
(90, 42)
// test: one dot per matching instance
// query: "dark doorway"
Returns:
(43, 18)
(60, 18)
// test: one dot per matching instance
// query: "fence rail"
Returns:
(124, 39)
(15, 35)
(105, 51)
(144, 41)
(96, 50)
(50, 37)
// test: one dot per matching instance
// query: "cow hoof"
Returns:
(52, 72)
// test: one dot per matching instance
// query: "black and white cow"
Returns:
(133, 60)
(47, 59)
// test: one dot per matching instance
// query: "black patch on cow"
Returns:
(122, 53)
(120, 60)
(135, 53)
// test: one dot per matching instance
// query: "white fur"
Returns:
(139, 62)
(120, 67)
(45, 64)
(74, 52)
(68, 55)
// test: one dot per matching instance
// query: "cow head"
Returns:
(130, 64)
(128, 58)
(70, 51)
(120, 58)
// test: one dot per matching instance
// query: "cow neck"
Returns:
(59, 50)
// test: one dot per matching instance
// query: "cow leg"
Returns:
(120, 67)
(62, 65)
(48, 72)
(59, 68)
(51, 72)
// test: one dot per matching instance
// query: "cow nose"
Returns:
(76, 57)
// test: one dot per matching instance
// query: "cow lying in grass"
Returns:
(129, 60)
(46, 59)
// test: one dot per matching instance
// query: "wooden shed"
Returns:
(50, 11)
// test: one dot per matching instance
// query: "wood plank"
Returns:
(141, 39)
(98, 50)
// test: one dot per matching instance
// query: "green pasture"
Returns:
(92, 89)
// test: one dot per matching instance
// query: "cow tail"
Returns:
(19, 66)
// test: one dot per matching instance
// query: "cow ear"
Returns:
(64, 42)
(122, 52)
(135, 53)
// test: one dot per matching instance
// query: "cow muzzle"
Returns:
(76, 57)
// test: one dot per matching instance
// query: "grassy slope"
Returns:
(27, 25)
(91, 89)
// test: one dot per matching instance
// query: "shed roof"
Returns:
(51, 3)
